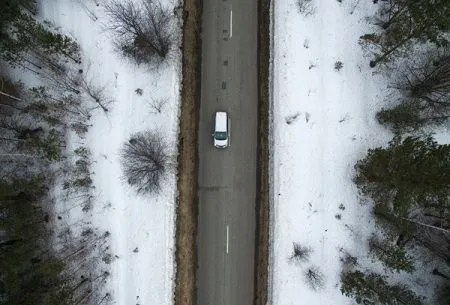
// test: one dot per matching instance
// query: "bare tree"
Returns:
(143, 30)
(315, 278)
(82, 83)
(424, 82)
(306, 7)
(145, 161)
(88, 10)
(348, 260)
(96, 93)
(300, 253)
(158, 104)
(429, 82)
(64, 83)
(63, 107)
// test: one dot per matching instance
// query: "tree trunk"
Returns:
(426, 225)
(438, 273)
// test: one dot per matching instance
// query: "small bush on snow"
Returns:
(306, 7)
(300, 253)
(338, 65)
(315, 278)
(292, 118)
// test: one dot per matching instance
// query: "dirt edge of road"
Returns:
(187, 209)
(262, 175)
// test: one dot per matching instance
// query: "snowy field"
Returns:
(323, 122)
(142, 228)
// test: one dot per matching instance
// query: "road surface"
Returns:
(227, 177)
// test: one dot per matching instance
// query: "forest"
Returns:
(408, 182)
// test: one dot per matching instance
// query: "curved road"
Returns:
(227, 177)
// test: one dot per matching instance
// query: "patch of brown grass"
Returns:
(262, 191)
(187, 210)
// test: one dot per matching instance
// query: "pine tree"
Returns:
(425, 88)
(443, 295)
(404, 117)
(425, 233)
(409, 173)
(31, 273)
(392, 256)
(10, 10)
(405, 21)
(374, 289)
(54, 43)
(361, 287)
(430, 19)
(27, 43)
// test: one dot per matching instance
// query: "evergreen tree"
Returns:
(392, 256)
(27, 43)
(37, 141)
(426, 232)
(430, 19)
(53, 43)
(443, 295)
(10, 10)
(425, 86)
(404, 117)
(373, 289)
(405, 21)
(409, 173)
(29, 270)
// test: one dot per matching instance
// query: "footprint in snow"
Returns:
(292, 118)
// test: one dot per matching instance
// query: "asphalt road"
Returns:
(227, 177)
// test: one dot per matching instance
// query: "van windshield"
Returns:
(220, 135)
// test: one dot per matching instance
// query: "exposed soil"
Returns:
(262, 175)
(187, 209)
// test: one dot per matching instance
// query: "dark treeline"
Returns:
(409, 180)
(406, 22)
(43, 261)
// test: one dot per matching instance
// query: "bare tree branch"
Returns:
(315, 278)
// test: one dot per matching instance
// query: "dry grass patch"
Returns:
(187, 210)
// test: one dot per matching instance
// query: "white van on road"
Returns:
(221, 133)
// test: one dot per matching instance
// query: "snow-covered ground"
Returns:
(323, 122)
(142, 228)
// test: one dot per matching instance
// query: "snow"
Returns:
(314, 153)
(144, 224)
(323, 122)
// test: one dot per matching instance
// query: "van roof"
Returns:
(221, 121)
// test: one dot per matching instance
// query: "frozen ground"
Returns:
(323, 122)
(142, 228)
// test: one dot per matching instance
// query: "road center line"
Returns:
(231, 23)
(227, 237)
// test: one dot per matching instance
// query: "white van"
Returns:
(221, 130)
